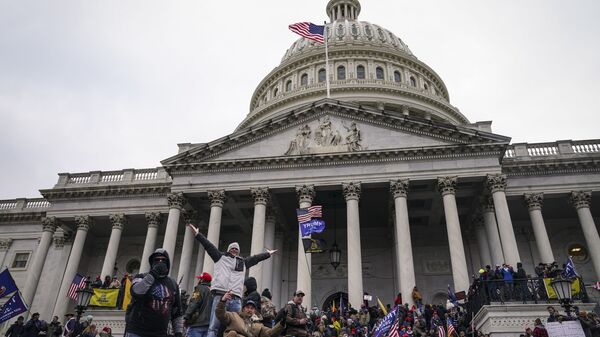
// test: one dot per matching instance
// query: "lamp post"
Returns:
(562, 289)
(84, 295)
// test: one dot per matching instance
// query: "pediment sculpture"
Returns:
(325, 138)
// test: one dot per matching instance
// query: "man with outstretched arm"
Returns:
(229, 274)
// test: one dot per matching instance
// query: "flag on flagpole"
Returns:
(7, 284)
(78, 283)
(395, 329)
(303, 215)
(333, 308)
(127, 296)
(315, 211)
(569, 271)
(386, 323)
(452, 295)
(12, 307)
(309, 31)
(441, 332)
(382, 306)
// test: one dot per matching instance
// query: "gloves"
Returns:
(159, 270)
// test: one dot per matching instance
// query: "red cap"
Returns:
(205, 277)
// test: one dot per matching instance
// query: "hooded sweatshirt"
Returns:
(251, 294)
(155, 303)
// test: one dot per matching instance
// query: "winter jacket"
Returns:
(32, 328)
(229, 270)
(155, 304)
(199, 311)
(540, 331)
(15, 330)
(243, 325)
(294, 313)
(268, 311)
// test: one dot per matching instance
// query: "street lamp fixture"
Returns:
(84, 295)
(562, 289)
(334, 256)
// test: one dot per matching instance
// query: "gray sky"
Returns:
(106, 85)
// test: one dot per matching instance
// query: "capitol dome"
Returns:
(368, 65)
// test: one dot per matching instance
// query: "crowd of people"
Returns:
(35, 327)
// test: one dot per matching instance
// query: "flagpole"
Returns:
(326, 60)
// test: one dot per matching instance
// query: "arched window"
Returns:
(397, 77)
(275, 92)
(288, 85)
(360, 72)
(413, 82)
(341, 73)
(304, 79)
(322, 75)
(379, 73)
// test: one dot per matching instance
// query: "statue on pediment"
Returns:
(353, 138)
(325, 136)
(300, 144)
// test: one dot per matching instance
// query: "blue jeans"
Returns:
(233, 305)
(197, 331)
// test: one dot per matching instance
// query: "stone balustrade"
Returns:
(126, 176)
(23, 204)
(558, 148)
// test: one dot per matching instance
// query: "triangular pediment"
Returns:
(332, 128)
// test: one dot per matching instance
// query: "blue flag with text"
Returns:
(312, 226)
(13, 307)
(7, 284)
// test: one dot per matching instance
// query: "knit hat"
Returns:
(233, 245)
(266, 293)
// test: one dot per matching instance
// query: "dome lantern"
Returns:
(343, 10)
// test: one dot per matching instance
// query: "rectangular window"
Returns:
(20, 260)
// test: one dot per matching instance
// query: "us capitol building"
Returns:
(413, 193)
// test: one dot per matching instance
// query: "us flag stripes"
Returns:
(441, 331)
(451, 330)
(309, 31)
(78, 283)
(315, 211)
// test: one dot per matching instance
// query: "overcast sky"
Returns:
(106, 85)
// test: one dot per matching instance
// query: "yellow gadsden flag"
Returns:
(127, 297)
(575, 288)
(105, 297)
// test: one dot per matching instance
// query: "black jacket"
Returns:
(251, 294)
(15, 330)
(199, 311)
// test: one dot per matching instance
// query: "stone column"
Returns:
(153, 220)
(534, 203)
(37, 264)
(267, 273)
(4, 247)
(497, 184)
(217, 200)
(491, 229)
(261, 198)
(277, 269)
(483, 244)
(355, 281)
(185, 261)
(306, 194)
(581, 201)
(405, 271)
(117, 221)
(176, 201)
(83, 225)
(460, 274)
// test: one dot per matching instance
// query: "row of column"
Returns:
(497, 249)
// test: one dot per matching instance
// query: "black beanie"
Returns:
(266, 293)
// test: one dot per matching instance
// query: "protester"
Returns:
(268, 310)
(17, 328)
(295, 319)
(115, 283)
(197, 316)
(229, 270)
(250, 293)
(155, 302)
(70, 325)
(55, 329)
(90, 331)
(107, 282)
(539, 330)
(243, 323)
(417, 297)
(33, 326)
(553, 315)
(106, 332)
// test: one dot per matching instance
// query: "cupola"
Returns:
(343, 10)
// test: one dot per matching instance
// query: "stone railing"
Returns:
(23, 204)
(558, 148)
(126, 176)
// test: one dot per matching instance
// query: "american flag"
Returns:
(78, 283)
(441, 332)
(309, 30)
(315, 211)
(305, 214)
(450, 327)
(394, 331)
